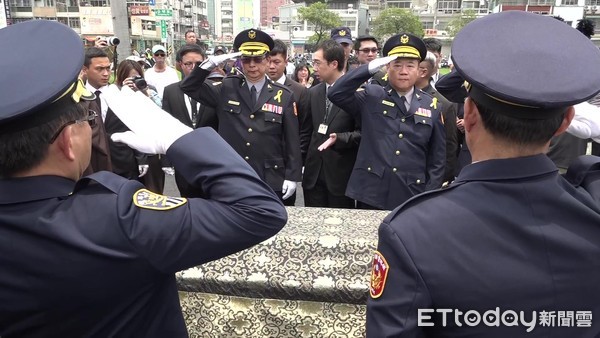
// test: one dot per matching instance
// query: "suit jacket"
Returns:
(98, 258)
(173, 102)
(303, 109)
(401, 154)
(449, 114)
(100, 156)
(335, 162)
(266, 134)
(510, 234)
(124, 159)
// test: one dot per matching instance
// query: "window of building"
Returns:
(399, 4)
(74, 23)
(569, 2)
(20, 3)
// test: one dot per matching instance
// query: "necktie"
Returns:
(253, 96)
(194, 106)
(97, 105)
(403, 105)
(327, 102)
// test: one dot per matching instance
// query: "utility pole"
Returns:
(121, 28)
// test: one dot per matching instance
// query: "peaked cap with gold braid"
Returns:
(253, 42)
(405, 45)
(28, 85)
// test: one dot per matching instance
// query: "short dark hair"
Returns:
(433, 45)
(360, 39)
(187, 32)
(279, 47)
(189, 49)
(517, 130)
(23, 150)
(93, 52)
(333, 51)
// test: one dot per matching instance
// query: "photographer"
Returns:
(131, 74)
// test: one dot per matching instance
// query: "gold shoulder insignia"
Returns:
(146, 199)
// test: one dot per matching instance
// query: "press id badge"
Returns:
(323, 129)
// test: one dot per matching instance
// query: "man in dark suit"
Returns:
(276, 72)
(96, 256)
(124, 161)
(510, 248)
(187, 110)
(328, 168)
(256, 115)
(403, 145)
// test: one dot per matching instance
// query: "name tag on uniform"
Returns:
(272, 108)
(323, 129)
(423, 112)
(388, 103)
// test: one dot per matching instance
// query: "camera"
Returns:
(139, 82)
(110, 41)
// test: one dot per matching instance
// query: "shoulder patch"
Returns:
(379, 273)
(146, 199)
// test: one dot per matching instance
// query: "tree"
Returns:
(323, 20)
(455, 25)
(393, 21)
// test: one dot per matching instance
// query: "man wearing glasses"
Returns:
(257, 116)
(160, 75)
(97, 255)
(366, 48)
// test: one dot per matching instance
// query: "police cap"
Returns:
(253, 42)
(405, 45)
(28, 84)
(341, 35)
(517, 64)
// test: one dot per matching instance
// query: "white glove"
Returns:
(213, 61)
(143, 169)
(169, 170)
(288, 189)
(586, 122)
(152, 129)
(378, 63)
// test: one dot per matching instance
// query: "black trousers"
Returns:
(320, 196)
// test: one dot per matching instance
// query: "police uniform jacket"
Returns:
(400, 155)
(510, 234)
(336, 162)
(97, 257)
(266, 135)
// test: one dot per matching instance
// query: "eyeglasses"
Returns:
(256, 59)
(91, 119)
(367, 50)
(189, 64)
(162, 55)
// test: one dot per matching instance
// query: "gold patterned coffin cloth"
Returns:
(311, 280)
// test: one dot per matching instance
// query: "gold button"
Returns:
(273, 120)
(397, 152)
(424, 121)
(276, 166)
(395, 169)
(385, 112)
(231, 110)
(247, 144)
(369, 169)
(246, 158)
(418, 181)
(403, 119)
(251, 116)
(400, 136)
(249, 130)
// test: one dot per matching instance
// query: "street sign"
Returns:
(163, 30)
(163, 12)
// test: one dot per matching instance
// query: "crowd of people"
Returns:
(373, 127)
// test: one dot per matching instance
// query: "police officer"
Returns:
(96, 256)
(257, 116)
(403, 148)
(511, 248)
